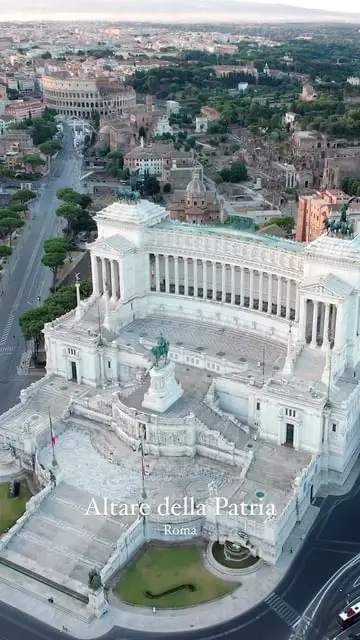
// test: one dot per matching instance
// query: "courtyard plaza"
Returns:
(61, 540)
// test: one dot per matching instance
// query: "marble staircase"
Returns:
(310, 364)
(62, 537)
(230, 431)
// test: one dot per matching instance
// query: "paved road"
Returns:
(332, 542)
(27, 280)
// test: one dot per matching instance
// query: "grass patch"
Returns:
(12, 508)
(159, 569)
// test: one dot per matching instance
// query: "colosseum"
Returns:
(75, 96)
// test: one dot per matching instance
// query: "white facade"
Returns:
(201, 124)
(172, 107)
(163, 126)
(295, 306)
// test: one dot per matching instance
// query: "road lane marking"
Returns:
(357, 582)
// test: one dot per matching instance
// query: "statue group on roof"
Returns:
(341, 226)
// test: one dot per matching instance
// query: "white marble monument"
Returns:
(164, 389)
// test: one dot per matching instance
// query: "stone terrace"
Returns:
(195, 384)
(62, 538)
(233, 345)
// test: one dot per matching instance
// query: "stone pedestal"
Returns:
(164, 389)
(98, 604)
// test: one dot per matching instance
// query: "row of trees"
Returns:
(62, 301)
(12, 216)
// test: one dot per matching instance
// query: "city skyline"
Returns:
(201, 11)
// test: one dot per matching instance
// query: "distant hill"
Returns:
(159, 10)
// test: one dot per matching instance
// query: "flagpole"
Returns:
(52, 440)
(143, 490)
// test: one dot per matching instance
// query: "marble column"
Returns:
(288, 299)
(303, 309)
(95, 274)
(157, 271)
(195, 273)
(314, 323)
(270, 293)
(333, 321)
(223, 282)
(297, 302)
(113, 281)
(103, 269)
(278, 299)
(242, 286)
(261, 289)
(186, 277)
(167, 276)
(214, 283)
(204, 266)
(325, 343)
(338, 328)
(233, 284)
(251, 287)
(176, 269)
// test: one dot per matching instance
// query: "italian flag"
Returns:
(52, 435)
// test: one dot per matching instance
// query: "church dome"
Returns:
(196, 187)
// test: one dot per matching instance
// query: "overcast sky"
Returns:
(117, 9)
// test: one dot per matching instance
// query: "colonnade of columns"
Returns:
(320, 325)
(106, 276)
(223, 282)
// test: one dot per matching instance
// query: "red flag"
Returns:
(52, 440)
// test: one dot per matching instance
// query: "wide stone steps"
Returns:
(215, 422)
(33, 540)
(33, 589)
(52, 523)
(310, 364)
(113, 526)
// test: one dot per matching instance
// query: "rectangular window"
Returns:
(334, 427)
(109, 364)
(258, 406)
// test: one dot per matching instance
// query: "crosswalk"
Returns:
(283, 610)
(7, 328)
(6, 350)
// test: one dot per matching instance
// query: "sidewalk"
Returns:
(255, 587)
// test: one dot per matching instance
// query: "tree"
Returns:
(50, 147)
(19, 207)
(32, 323)
(55, 252)
(46, 55)
(151, 186)
(9, 223)
(115, 163)
(73, 209)
(5, 251)
(23, 195)
(237, 172)
(34, 161)
(70, 195)
(167, 187)
(286, 223)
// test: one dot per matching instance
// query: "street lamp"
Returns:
(141, 450)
